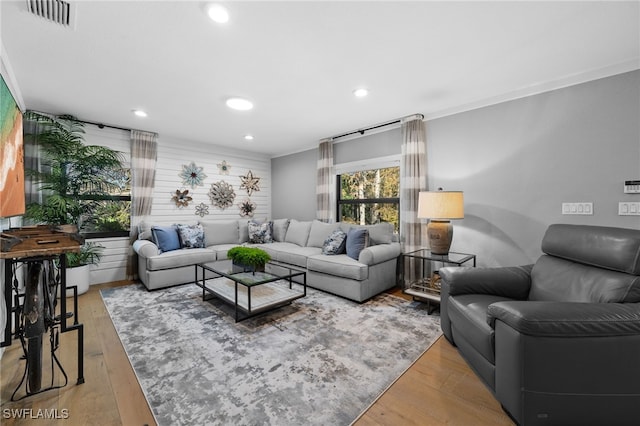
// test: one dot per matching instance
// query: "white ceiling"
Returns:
(299, 61)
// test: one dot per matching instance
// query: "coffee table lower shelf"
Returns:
(250, 292)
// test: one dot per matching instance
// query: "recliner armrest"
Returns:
(567, 319)
(512, 282)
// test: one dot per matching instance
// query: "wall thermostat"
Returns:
(632, 186)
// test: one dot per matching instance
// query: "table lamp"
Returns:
(440, 206)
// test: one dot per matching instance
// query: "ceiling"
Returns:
(299, 62)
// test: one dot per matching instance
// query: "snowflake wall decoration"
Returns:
(222, 194)
(250, 183)
(224, 167)
(202, 209)
(182, 198)
(247, 207)
(192, 175)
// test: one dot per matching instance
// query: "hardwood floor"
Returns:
(439, 389)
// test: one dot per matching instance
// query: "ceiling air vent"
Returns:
(56, 11)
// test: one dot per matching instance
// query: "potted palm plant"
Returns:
(72, 179)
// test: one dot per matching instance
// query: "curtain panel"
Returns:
(413, 179)
(325, 183)
(144, 154)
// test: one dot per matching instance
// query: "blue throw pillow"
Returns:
(356, 242)
(166, 238)
(335, 243)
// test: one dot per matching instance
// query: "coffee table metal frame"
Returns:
(212, 272)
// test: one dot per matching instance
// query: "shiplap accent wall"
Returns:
(172, 155)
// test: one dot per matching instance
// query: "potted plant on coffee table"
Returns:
(247, 259)
(73, 179)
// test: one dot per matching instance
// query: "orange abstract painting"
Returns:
(12, 199)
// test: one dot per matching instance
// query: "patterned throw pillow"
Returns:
(191, 236)
(260, 233)
(335, 243)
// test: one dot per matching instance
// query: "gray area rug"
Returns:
(321, 360)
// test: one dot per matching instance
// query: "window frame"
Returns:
(361, 166)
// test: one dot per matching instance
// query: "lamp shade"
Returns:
(441, 205)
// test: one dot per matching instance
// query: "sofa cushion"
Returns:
(340, 265)
(260, 233)
(335, 243)
(290, 253)
(178, 258)
(379, 233)
(166, 238)
(280, 229)
(469, 313)
(191, 236)
(220, 232)
(319, 232)
(298, 232)
(356, 241)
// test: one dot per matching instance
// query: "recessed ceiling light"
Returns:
(360, 93)
(218, 13)
(240, 104)
(248, 137)
(139, 113)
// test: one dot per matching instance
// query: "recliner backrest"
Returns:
(587, 264)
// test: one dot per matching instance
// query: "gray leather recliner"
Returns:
(558, 342)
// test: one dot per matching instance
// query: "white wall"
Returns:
(516, 162)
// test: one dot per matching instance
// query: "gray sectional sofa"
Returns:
(295, 243)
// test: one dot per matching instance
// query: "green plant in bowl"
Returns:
(249, 258)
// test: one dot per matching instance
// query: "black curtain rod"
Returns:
(102, 126)
(361, 131)
(377, 126)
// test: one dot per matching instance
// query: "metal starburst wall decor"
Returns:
(202, 209)
(224, 167)
(222, 194)
(250, 182)
(192, 175)
(247, 208)
(182, 198)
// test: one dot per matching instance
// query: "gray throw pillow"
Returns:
(357, 240)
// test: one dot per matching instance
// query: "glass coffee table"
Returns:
(251, 293)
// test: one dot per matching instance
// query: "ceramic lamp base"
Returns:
(440, 233)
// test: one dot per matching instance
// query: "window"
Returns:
(369, 196)
(111, 217)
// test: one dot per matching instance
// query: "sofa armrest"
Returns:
(379, 253)
(145, 248)
(512, 282)
(567, 319)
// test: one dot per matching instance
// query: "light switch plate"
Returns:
(583, 208)
(628, 208)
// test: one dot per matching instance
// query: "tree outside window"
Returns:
(370, 196)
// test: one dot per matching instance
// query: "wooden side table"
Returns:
(427, 288)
